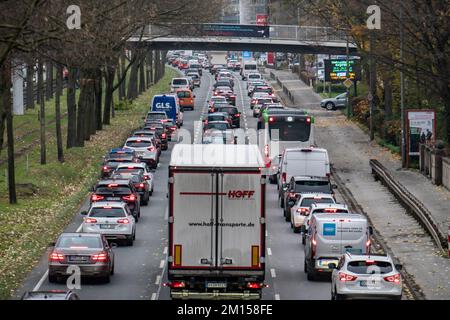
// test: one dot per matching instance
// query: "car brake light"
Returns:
(112, 185)
(303, 211)
(131, 197)
(330, 210)
(90, 220)
(163, 136)
(238, 115)
(56, 257)
(146, 177)
(343, 277)
(174, 128)
(123, 221)
(95, 197)
(151, 149)
(100, 257)
(254, 285)
(105, 168)
(308, 120)
(141, 185)
(396, 278)
(271, 119)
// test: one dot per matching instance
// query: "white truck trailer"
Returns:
(216, 222)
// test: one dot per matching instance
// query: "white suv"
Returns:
(112, 219)
(366, 277)
(300, 211)
(145, 150)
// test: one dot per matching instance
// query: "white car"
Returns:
(145, 150)
(131, 166)
(300, 211)
(112, 219)
(366, 277)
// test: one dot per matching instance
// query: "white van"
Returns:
(179, 83)
(249, 66)
(303, 162)
(332, 235)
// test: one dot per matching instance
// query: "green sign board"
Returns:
(336, 70)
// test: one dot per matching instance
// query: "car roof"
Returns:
(218, 114)
(140, 138)
(378, 257)
(113, 181)
(316, 194)
(132, 164)
(321, 150)
(44, 295)
(215, 122)
(303, 178)
(81, 234)
(329, 205)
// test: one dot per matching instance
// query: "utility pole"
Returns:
(347, 100)
(372, 86)
(402, 92)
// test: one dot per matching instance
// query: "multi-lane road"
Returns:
(140, 271)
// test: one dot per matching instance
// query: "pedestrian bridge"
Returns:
(276, 38)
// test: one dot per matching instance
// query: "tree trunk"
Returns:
(142, 85)
(157, 67)
(122, 87)
(86, 106)
(109, 78)
(149, 68)
(49, 80)
(5, 89)
(30, 85)
(42, 112)
(3, 107)
(71, 110)
(387, 83)
(59, 143)
(132, 92)
(99, 99)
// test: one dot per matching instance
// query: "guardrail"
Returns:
(412, 204)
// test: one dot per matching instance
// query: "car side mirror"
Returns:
(334, 186)
(398, 266)
(332, 266)
(84, 213)
(370, 230)
(52, 244)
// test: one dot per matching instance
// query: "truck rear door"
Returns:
(192, 220)
(241, 225)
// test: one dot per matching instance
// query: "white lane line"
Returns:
(269, 251)
(162, 263)
(39, 284)
(166, 214)
(277, 297)
(153, 296)
(158, 279)
(79, 228)
(273, 273)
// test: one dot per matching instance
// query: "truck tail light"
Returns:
(254, 285)
(343, 277)
(396, 278)
(175, 284)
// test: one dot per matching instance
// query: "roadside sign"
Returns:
(348, 83)
(262, 19)
(246, 55)
(336, 70)
(421, 128)
(235, 30)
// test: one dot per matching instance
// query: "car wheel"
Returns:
(52, 278)
(150, 193)
(296, 230)
(330, 106)
(130, 241)
(107, 278)
(145, 202)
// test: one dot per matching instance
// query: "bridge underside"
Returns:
(258, 45)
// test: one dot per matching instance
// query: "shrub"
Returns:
(123, 105)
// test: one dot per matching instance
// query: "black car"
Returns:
(300, 184)
(160, 132)
(139, 182)
(233, 112)
(170, 127)
(224, 83)
(114, 158)
(118, 190)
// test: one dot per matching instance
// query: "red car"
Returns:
(227, 93)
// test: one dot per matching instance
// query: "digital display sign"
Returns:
(336, 70)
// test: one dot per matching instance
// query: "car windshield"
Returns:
(179, 82)
(156, 116)
(184, 94)
(307, 202)
(260, 89)
(229, 110)
(312, 186)
(79, 242)
(138, 144)
(119, 190)
(107, 212)
(254, 76)
(370, 267)
(218, 126)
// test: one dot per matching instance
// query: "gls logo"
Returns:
(161, 105)
(240, 194)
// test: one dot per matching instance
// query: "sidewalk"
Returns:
(350, 151)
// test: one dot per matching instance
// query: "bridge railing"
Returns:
(276, 32)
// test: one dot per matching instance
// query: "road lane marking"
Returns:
(39, 284)
(161, 264)
(269, 251)
(153, 296)
(79, 228)
(158, 279)
(166, 214)
(277, 297)
(273, 273)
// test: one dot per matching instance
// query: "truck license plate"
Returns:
(216, 285)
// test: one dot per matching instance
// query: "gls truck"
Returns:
(217, 222)
(170, 105)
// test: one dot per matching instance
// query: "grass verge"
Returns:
(27, 228)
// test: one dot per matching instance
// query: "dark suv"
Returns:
(303, 184)
(139, 182)
(118, 190)
(114, 158)
(161, 134)
(233, 112)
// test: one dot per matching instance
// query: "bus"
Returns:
(283, 129)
